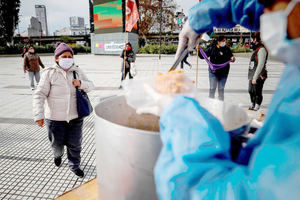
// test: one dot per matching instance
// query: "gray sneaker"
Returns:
(257, 107)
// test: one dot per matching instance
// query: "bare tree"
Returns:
(150, 16)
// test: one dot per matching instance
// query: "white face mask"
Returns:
(66, 63)
(273, 27)
(223, 44)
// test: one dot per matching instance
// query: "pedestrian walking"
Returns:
(257, 73)
(24, 51)
(128, 57)
(185, 61)
(57, 89)
(219, 53)
(32, 63)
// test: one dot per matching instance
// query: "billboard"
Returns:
(109, 27)
(108, 16)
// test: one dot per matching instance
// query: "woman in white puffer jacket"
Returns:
(57, 89)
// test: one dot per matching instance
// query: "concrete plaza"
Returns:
(27, 170)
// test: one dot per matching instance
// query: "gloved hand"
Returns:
(187, 37)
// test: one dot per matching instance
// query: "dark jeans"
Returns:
(184, 61)
(62, 133)
(255, 91)
(127, 70)
(216, 80)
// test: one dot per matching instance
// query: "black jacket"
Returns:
(130, 58)
(218, 56)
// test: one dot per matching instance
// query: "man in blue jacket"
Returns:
(195, 161)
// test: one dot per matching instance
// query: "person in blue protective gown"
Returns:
(195, 161)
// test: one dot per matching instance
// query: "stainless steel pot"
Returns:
(127, 147)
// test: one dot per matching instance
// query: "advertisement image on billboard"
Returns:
(108, 17)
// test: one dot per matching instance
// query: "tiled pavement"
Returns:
(26, 165)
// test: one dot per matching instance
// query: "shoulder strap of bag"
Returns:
(74, 76)
(256, 51)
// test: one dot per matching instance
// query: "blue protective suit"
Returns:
(195, 161)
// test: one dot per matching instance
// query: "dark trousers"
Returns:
(216, 80)
(255, 91)
(127, 70)
(184, 61)
(62, 133)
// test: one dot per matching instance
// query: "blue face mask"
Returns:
(273, 27)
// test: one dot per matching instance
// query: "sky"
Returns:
(59, 11)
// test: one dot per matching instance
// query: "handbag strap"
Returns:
(74, 76)
(210, 64)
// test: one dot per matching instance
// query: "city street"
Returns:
(27, 169)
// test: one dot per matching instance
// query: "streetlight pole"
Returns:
(160, 29)
(41, 33)
(13, 30)
(85, 38)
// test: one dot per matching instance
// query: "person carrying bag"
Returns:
(59, 100)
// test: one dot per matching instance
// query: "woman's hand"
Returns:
(76, 83)
(254, 82)
(232, 59)
(40, 122)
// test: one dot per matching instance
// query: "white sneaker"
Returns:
(257, 107)
(32, 88)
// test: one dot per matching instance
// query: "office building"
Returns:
(76, 22)
(34, 28)
(40, 11)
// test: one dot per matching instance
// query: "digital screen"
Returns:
(108, 16)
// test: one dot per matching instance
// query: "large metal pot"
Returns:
(127, 147)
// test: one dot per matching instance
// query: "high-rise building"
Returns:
(40, 11)
(76, 22)
(34, 28)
